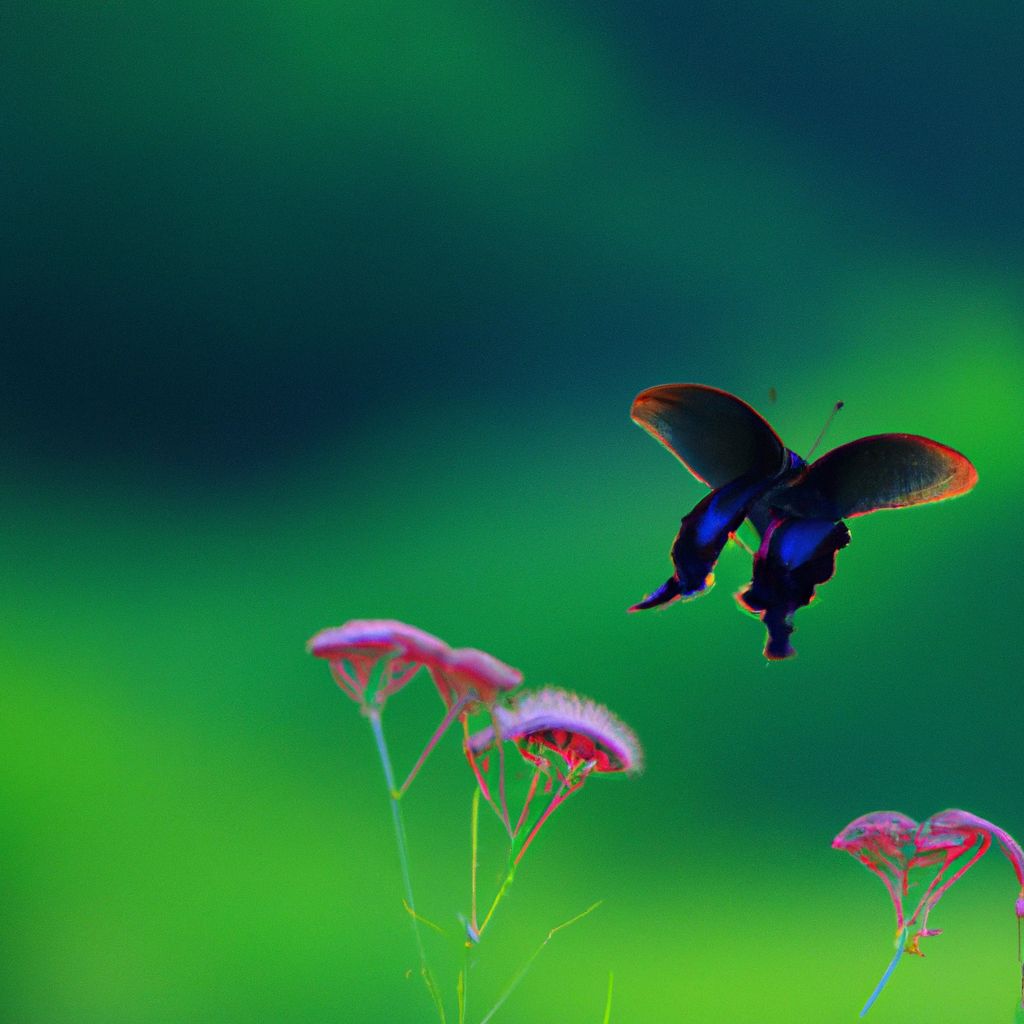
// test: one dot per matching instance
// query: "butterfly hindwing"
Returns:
(715, 435)
(795, 557)
(883, 471)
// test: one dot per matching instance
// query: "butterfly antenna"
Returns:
(828, 423)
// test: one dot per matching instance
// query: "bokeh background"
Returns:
(321, 310)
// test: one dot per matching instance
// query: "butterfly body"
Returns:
(797, 508)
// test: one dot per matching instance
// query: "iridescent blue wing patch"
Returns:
(796, 555)
(702, 535)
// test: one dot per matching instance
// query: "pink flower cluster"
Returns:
(891, 845)
(562, 738)
(396, 652)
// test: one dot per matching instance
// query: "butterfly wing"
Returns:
(884, 471)
(702, 535)
(795, 557)
(717, 437)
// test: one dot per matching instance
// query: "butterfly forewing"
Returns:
(885, 471)
(715, 435)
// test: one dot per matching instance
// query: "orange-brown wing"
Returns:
(885, 471)
(717, 437)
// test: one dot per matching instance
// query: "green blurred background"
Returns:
(322, 310)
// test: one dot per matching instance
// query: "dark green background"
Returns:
(321, 310)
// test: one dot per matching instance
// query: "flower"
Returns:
(468, 675)
(371, 659)
(357, 648)
(892, 846)
(547, 727)
(883, 842)
(578, 730)
(954, 823)
(463, 675)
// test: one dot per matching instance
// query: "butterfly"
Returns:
(797, 508)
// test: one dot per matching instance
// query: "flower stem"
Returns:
(501, 789)
(561, 795)
(373, 714)
(474, 821)
(893, 964)
(497, 899)
(475, 765)
(608, 1001)
(463, 985)
(450, 717)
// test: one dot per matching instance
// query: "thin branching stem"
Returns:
(528, 801)
(561, 795)
(509, 878)
(346, 683)
(475, 765)
(460, 989)
(453, 712)
(937, 895)
(529, 963)
(501, 789)
(373, 714)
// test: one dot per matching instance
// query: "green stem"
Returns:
(474, 821)
(464, 985)
(373, 714)
(497, 899)
(510, 988)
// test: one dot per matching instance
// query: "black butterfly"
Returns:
(796, 508)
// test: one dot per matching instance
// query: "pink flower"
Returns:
(357, 648)
(371, 659)
(581, 732)
(893, 846)
(469, 675)
(883, 842)
(565, 739)
(362, 646)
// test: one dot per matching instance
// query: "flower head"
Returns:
(883, 841)
(576, 729)
(963, 823)
(371, 659)
(894, 846)
(361, 646)
(470, 675)
(564, 739)
(881, 833)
